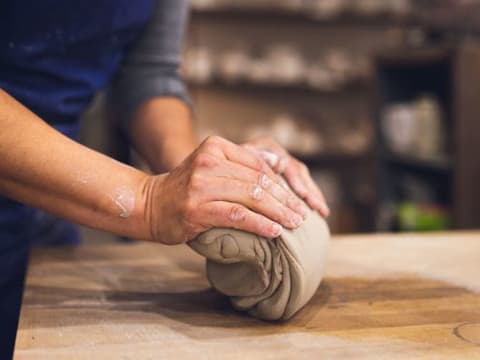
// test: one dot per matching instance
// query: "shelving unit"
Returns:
(291, 89)
(248, 104)
(440, 165)
(284, 15)
(449, 74)
(231, 108)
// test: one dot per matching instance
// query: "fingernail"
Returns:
(276, 229)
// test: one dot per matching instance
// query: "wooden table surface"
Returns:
(385, 297)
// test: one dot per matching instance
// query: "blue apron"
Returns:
(54, 56)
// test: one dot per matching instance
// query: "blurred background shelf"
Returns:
(376, 77)
(333, 159)
(284, 15)
(425, 99)
(439, 165)
(410, 56)
(291, 89)
(435, 15)
(415, 57)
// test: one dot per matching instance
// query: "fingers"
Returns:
(298, 176)
(230, 215)
(295, 172)
(224, 185)
(315, 197)
(255, 197)
(237, 154)
(294, 179)
(273, 186)
(276, 158)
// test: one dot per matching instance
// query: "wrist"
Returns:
(125, 207)
(149, 207)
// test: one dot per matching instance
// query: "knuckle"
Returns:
(214, 212)
(205, 160)
(260, 165)
(264, 181)
(237, 213)
(292, 201)
(195, 183)
(189, 209)
(208, 147)
(215, 138)
(212, 140)
(285, 213)
(284, 163)
(255, 191)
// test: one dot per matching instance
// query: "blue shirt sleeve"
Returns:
(151, 68)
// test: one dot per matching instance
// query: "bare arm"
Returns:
(162, 133)
(45, 169)
(147, 94)
(151, 102)
(219, 185)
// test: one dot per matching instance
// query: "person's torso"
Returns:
(55, 54)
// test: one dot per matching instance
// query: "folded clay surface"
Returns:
(271, 279)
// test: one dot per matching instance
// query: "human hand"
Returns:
(295, 172)
(220, 185)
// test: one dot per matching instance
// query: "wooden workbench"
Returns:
(385, 297)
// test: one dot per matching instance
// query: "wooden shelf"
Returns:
(414, 57)
(454, 18)
(333, 159)
(405, 73)
(438, 165)
(432, 19)
(244, 85)
(279, 14)
(452, 75)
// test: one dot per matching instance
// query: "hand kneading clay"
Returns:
(271, 279)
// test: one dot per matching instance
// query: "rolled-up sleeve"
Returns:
(151, 68)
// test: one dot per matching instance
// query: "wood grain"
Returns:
(385, 297)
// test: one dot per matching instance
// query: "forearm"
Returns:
(162, 133)
(45, 169)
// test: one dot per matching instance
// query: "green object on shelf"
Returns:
(422, 217)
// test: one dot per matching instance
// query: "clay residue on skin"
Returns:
(124, 199)
(83, 178)
(257, 193)
(270, 157)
